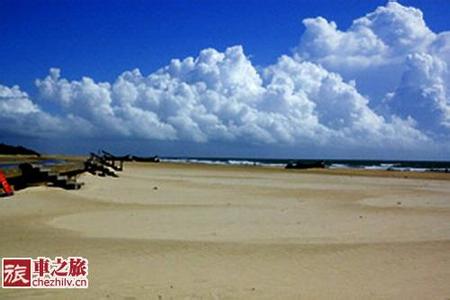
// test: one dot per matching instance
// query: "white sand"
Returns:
(238, 233)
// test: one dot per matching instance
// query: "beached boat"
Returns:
(305, 164)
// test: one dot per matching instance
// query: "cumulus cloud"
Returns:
(423, 92)
(221, 97)
(392, 56)
(20, 116)
(383, 82)
(378, 38)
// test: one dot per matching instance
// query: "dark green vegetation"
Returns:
(16, 150)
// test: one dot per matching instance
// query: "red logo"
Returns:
(16, 272)
(44, 272)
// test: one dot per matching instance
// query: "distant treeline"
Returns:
(15, 150)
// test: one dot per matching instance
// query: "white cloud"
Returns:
(391, 54)
(382, 37)
(423, 92)
(14, 101)
(221, 97)
(20, 116)
(331, 91)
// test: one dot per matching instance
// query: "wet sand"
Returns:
(164, 231)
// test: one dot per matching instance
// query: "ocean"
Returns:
(389, 165)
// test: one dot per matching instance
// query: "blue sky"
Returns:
(104, 38)
(100, 40)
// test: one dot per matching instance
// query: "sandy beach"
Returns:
(167, 231)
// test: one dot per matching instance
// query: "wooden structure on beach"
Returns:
(23, 173)
(112, 158)
(20, 172)
(102, 165)
(66, 179)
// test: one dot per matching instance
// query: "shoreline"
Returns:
(325, 171)
(336, 171)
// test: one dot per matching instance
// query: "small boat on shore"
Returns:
(305, 164)
(154, 159)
